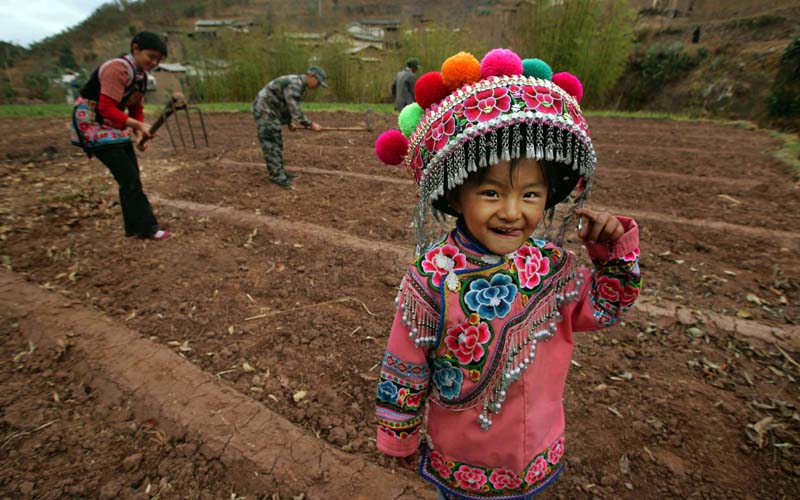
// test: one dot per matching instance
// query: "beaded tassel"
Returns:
(521, 350)
(516, 140)
(482, 151)
(506, 153)
(419, 319)
(493, 160)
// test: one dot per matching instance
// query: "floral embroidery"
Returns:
(556, 452)
(439, 133)
(491, 299)
(614, 290)
(387, 391)
(487, 105)
(531, 266)
(477, 482)
(440, 464)
(634, 255)
(542, 99)
(466, 341)
(537, 472)
(447, 378)
(470, 478)
(610, 289)
(441, 261)
(502, 478)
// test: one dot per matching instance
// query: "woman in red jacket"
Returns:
(103, 129)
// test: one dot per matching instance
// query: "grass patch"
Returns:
(790, 152)
(64, 110)
(650, 115)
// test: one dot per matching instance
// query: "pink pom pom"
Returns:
(391, 147)
(570, 84)
(500, 62)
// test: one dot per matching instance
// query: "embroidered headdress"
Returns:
(473, 114)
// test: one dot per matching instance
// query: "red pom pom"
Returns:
(430, 89)
(391, 147)
(570, 84)
(500, 62)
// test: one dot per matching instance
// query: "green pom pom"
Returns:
(537, 69)
(409, 118)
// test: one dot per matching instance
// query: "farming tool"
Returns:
(367, 127)
(178, 103)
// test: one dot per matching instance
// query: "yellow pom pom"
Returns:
(460, 69)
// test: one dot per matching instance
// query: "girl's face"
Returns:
(146, 59)
(503, 209)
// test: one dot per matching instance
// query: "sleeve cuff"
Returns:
(390, 445)
(612, 250)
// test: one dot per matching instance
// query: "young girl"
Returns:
(486, 314)
(101, 127)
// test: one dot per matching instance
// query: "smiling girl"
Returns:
(486, 313)
(102, 128)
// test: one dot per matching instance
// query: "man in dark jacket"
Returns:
(403, 84)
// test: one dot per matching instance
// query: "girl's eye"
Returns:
(489, 192)
(531, 194)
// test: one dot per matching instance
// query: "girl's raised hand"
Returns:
(599, 226)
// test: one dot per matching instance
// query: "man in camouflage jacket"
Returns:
(279, 104)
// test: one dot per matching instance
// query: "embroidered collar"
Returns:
(476, 252)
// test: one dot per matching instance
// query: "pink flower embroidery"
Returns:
(470, 478)
(612, 290)
(413, 400)
(542, 99)
(466, 341)
(487, 105)
(556, 451)
(440, 261)
(515, 90)
(577, 117)
(631, 256)
(502, 478)
(416, 164)
(440, 131)
(531, 266)
(537, 472)
(440, 464)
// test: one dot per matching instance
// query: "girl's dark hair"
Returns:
(147, 40)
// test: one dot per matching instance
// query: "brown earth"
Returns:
(299, 286)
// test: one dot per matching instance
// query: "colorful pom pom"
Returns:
(430, 89)
(537, 68)
(409, 118)
(500, 62)
(391, 147)
(570, 84)
(460, 69)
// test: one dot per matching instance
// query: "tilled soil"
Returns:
(655, 408)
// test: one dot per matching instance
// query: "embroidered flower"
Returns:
(440, 131)
(611, 290)
(416, 164)
(414, 400)
(537, 471)
(491, 299)
(502, 478)
(447, 379)
(630, 257)
(470, 478)
(542, 99)
(387, 391)
(443, 260)
(467, 341)
(556, 451)
(531, 266)
(577, 117)
(440, 464)
(487, 105)
(515, 90)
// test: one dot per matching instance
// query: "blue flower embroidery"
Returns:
(448, 379)
(387, 391)
(491, 300)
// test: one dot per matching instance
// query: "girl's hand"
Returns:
(599, 227)
(144, 129)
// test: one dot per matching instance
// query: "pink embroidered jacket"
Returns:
(486, 340)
